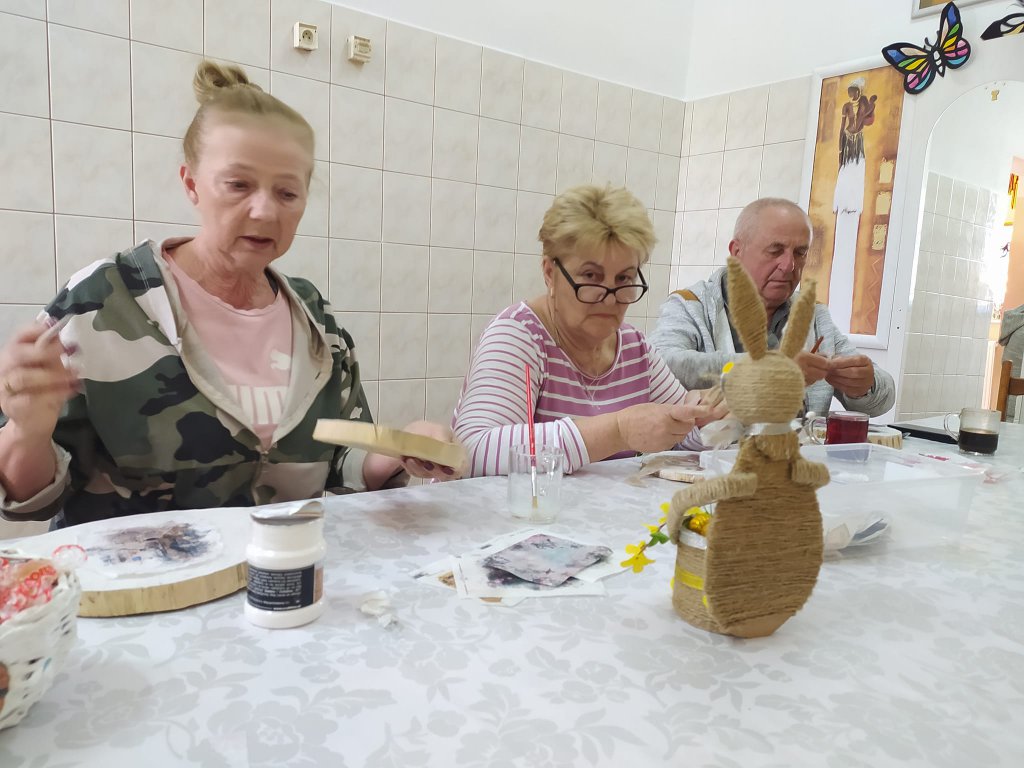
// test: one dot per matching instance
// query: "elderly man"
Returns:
(695, 338)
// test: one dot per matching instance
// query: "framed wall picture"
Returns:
(921, 8)
(852, 193)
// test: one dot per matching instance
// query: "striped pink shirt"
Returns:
(491, 415)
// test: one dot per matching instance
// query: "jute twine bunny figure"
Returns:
(764, 541)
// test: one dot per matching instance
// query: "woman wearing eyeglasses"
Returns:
(599, 391)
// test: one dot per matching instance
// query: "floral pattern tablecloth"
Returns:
(913, 658)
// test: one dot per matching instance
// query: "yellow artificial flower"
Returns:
(664, 514)
(727, 367)
(653, 528)
(639, 560)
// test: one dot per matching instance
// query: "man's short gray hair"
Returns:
(746, 222)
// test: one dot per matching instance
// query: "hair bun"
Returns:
(211, 77)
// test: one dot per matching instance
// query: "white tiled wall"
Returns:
(435, 163)
(736, 148)
(951, 310)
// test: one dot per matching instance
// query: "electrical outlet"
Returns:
(359, 49)
(305, 37)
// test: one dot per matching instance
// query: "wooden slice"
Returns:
(164, 597)
(886, 436)
(107, 592)
(389, 442)
(682, 474)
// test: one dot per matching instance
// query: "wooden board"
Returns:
(374, 438)
(103, 595)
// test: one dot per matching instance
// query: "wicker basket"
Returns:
(33, 646)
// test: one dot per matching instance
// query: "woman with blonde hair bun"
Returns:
(190, 373)
(598, 389)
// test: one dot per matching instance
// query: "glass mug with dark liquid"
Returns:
(979, 431)
(841, 428)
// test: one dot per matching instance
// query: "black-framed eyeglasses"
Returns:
(592, 293)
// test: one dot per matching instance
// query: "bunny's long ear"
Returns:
(800, 318)
(747, 311)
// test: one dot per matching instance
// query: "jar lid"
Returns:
(291, 513)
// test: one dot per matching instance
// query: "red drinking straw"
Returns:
(533, 441)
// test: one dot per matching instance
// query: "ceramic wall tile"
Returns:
(452, 214)
(542, 96)
(82, 240)
(501, 86)
(311, 99)
(448, 345)
(404, 272)
(495, 219)
(238, 30)
(450, 282)
(346, 22)
(25, 154)
(408, 136)
(181, 30)
(578, 114)
(163, 102)
(284, 56)
(92, 171)
(355, 202)
(107, 16)
(409, 72)
(614, 103)
(27, 256)
(403, 345)
(355, 275)
(90, 80)
(159, 192)
(708, 122)
(457, 75)
(498, 153)
(406, 211)
(456, 135)
(357, 127)
(23, 50)
(645, 117)
(748, 112)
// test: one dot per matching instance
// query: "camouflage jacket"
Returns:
(155, 428)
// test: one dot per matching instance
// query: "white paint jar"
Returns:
(286, 570)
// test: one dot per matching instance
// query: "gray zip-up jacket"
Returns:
(695, 339)
(1011, 336)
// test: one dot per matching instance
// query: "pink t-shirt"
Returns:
(251, 347)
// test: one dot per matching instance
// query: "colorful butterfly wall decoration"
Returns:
(920, 65)
(1006, 26)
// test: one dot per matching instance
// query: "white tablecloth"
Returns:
(915, 659)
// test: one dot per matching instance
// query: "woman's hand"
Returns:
(656, 427)
(34, 382)
(712, 399)
(425, 469)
